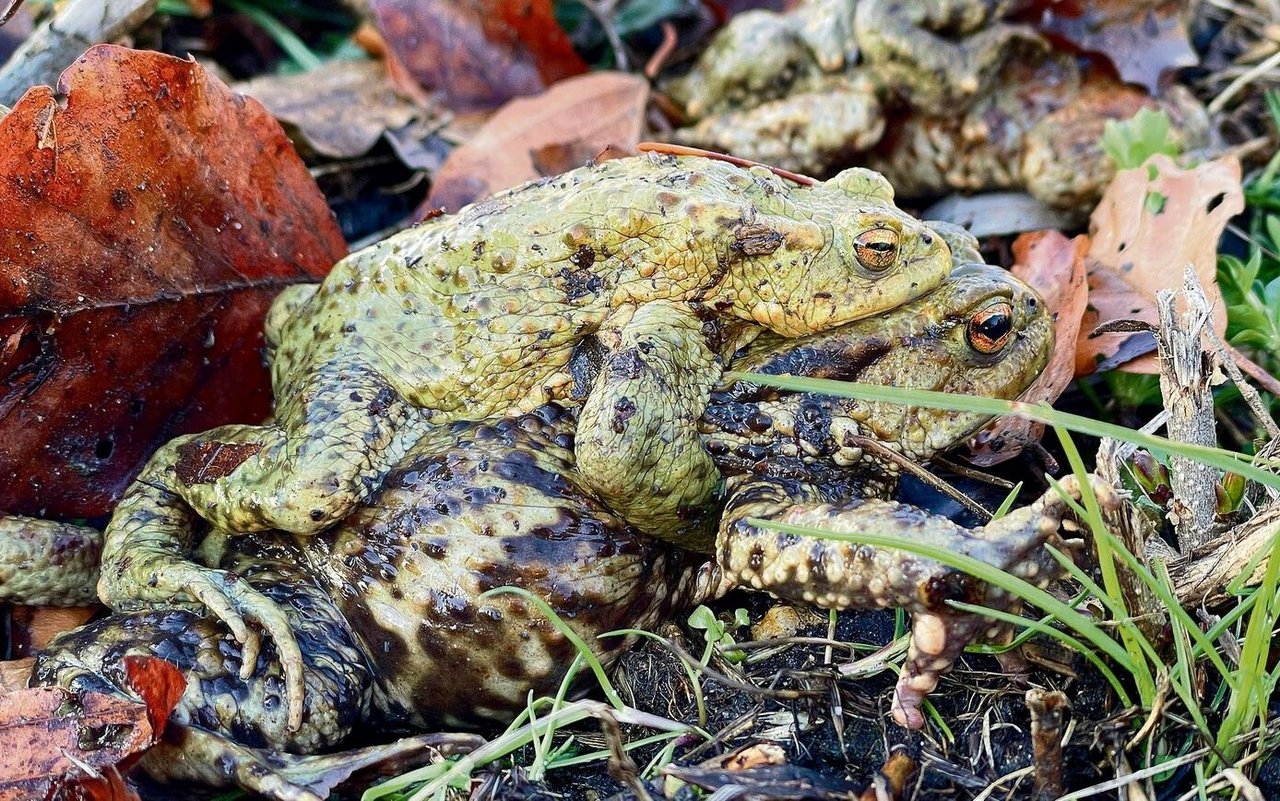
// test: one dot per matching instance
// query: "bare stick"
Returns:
(1048, 713)
(61, 40)
(1184, 382)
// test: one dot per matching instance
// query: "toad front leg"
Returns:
(843, 575)
(637, 444)
(147, 551)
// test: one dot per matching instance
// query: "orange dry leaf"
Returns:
(1145, 231)
(531, 137)
(48, 735)
(31, 627)
(1055, 267)
(148, 216)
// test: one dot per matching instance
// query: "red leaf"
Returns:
(150, 218)
(160, 686)
(478, 53)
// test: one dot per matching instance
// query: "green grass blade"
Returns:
(1040, 627)
(1216, 457)
(564, 628)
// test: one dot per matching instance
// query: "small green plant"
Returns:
(715, 632)
(1251, 283)
(1131, 142)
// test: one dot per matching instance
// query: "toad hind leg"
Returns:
(336, 436)
(839, 574)
(253, 706)
(43, 563)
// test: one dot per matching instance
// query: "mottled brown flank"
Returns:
(201, 462)
(441, 508)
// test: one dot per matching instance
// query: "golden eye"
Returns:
(876, 249)
(989, 328)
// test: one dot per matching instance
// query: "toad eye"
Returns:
(877, 248)
(989, 328)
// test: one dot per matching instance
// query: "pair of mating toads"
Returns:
(533, 393)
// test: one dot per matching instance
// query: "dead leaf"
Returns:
(478, 53)
(31, 627)
(48, 734)
(138, 258)
(340, 110)
(1144, 233)
(1055, 267)
(1141, 39)
(753, 756)
(16, 24)
(570, 123)
(14, 674)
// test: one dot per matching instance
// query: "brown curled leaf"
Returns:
(581, 118)
(49, 735)
(1144, 232)
(151, 215)
(1142, 40)
(339, 110)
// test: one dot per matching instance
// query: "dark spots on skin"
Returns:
(753, 239)
(818, 563)
(834, 358)
(626, 365)
(813, 423)
(950, 586)
(756, 560)
(581, 281)
(120, 199)
(382, 401)
(623, 410)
